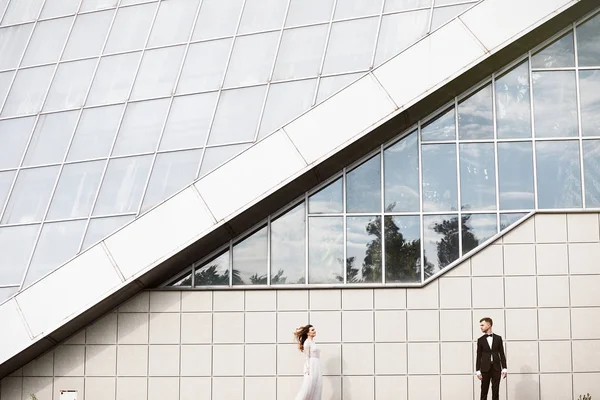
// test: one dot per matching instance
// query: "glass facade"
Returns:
(108, 107)
(524, 140)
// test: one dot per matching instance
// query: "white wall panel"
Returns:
(15, 338)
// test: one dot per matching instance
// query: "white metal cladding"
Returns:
(13, 345)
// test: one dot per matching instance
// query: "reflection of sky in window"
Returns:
(250, 257)
(441, 248)
(442, 127)
(358, 241)
(591, 171)
(475, 118)
(363, 186)
(287, 245)
(439, 177)
(589, 88)
(515, 175)
(513, 113)
(401, 175)
(588, 37)
(327, 200)
(398, 253)
(555, 104)
(507, 220)
(559, 174)
(477, 176)
(325, 249)
(558, 54)
(477, 229)
(221, 264)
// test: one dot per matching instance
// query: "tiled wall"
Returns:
(540, 284)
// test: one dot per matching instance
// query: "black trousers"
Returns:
(493, 376)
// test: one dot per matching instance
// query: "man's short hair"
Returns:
(488, 320)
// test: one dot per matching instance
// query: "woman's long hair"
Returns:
(301, 334)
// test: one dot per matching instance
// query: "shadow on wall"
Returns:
(527, 388)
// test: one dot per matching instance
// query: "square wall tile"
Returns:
(390, 326)
(261, 388)
(556, 386)
(287, 322)
(423, 358)
(461, 270)
(77, 338)
(133, 328)
(586, 354)
(332, 387)
(228, 360)
(228, 300)
(68, 360)
(584, 323)
(68, 383)
(328, 325)
(165, 328)
(391, 387)
(520, 291)
(11, 388)
(583, 227)
(425, 298)
(455, 293)
(526, 385)
(196, 360)
(261, 327)
(228, 388)
(292, 300)
(357, 326)
(424, 387)
(260, 359)
(167, 301)
(195, 388)
(358, 387)
(357, 299)
(555, 356)
(584, 291)
(228, 327)
(586, 383)
(390, 358)
(331, 358)
(41, 366)
(196, 301)
(456, 325)
(139, 303)
(457, 358)
(457, 387)
(551, 228)
(521, 324)
(390, 299)
(497, 316)
(583, 258)
(196, 328)
(100, 388)
(358, 359)
(132, 388)
(554, 323)
(524, 233)
(261, 300)
(423, 325)
(553, 291)
(132, 360)
(552, 259)
(488, 292)
(164, 360)
(325, 299)
(101, 360)
(103, 331)
(519, 259)
(288, 386)
(40, 386)
(163, 388)
(290, 361)
(522, 357)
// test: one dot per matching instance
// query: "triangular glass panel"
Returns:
(442, 127)
(327, 200)
(214, 272)
(558, 54)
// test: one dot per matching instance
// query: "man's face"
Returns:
(484, 325)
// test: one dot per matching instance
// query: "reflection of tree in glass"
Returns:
(447, 246)
(210, 276)
(277, 279)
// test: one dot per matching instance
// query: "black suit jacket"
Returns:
(484, 361)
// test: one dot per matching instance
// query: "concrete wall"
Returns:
(540, 284)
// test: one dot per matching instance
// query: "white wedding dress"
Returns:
(312, 385)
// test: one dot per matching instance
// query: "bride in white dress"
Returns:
(312, 385)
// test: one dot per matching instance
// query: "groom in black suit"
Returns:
(491, 361)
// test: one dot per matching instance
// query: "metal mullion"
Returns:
(382, 222)
(230, 263)
(421, 200)
(377, 36)
(3, 12)
(533, 135)
(320, 73)
(408, 10)
(306, 238)
(430, 23)
(218, 100)
(269, 250)
(458, 181)
(497, 172)
(171, 100)
(262, 110)
(553, 69)
(344, 224)
(580, 128)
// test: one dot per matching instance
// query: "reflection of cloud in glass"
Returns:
(325, 249)
(477, 229)
(475, 119)
(513, 113)
(555, 104)
(589, 88)
(591, 172)
(558, 174)
(439, 177)
(442, 127)
(588, 37)
(287, 247)
(558, 54)
(363, 187)
(515, 175)
(507, 220)
(477, 176)
(250, 258)
(401, 175)
(327, 200)
(363, 249)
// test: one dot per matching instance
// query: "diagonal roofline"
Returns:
(275, 170)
